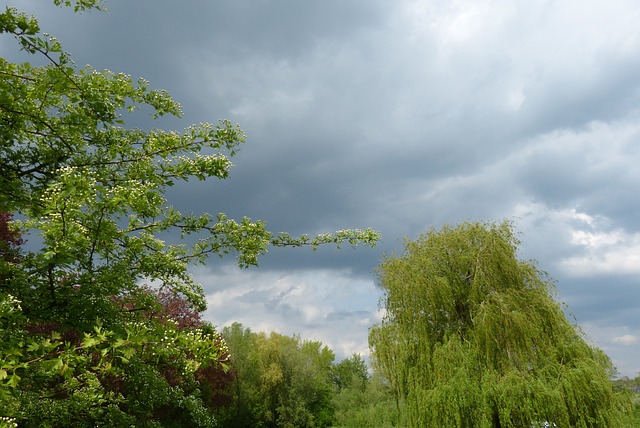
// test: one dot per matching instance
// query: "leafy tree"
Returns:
(145, 374)
(350, 371)
(368, 404)
(243, 410)
(280, 381)
(313, 364)
(633, 387)
(165, 307)
(73, 351)
(472, 337)
(362, 400)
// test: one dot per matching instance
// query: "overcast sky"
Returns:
(399, 115)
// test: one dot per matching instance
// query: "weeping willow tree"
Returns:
(472, 337)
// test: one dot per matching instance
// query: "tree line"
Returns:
(283, 381)
(472, 336)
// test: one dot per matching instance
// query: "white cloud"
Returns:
(515, 98)
(603, 251)
(627, 339)
(579, 244)
(329, 306)
(583, 244)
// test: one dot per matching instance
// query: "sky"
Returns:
(400, 116)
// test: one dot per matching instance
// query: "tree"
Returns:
(366, 405)
(362, 400)
(93, 190)
(245, 408)
(281, 381)
(351, 371)
(164, 307)
(473, 338)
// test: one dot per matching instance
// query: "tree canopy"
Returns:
(472, 337)
(77, 343)
(280, 381)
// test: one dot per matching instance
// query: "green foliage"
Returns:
(80, 343)
(80, 5)
(366, 404)
(636, 410)
(283, 381)
(632, 386)
(472, 337)
(280, 381)
(349, 372)
(144, 373)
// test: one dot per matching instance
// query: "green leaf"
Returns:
(33, 346)
(89, 341)
(13, 381)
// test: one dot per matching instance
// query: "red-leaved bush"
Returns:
(10, 240)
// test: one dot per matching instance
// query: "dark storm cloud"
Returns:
(610, 300)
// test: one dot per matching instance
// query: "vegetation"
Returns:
(282, 381)
(473, 338)
(82, 343)
(365, 403)
(633, 386)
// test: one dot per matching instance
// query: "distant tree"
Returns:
(364, 401)
(245, 408)
(351, 371)
(280, 381)
(633, 387)
(473, 338)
